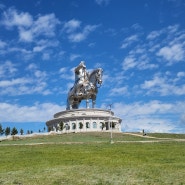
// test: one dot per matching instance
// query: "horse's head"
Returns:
(99, 74)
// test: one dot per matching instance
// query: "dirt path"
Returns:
(139, 135)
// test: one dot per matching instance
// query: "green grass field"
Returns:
(89, 158)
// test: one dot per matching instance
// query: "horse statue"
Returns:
(86, 91)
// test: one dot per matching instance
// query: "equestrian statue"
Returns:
(85, 87)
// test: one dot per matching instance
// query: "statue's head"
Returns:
(82, 63)
(99, 75)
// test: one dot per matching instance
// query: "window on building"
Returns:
(73, 126)
(80, 125)
(67, 126)
(94, 125)
(102, 125)
(87, 125)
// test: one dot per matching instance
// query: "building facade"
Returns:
(84, 120)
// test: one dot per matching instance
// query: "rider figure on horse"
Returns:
(85, 87)
(81, 78)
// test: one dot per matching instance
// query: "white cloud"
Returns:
(25, 35)
(2, 44)
(72, 25)
(180, 74)
(156, 81)
(138, 59)
(35, 87)
(151, 116)
(28, 27)
(13, 82)
(164, 86)
(66, 74)
(77, 37)
(179, 77)
(74, 57)
(80, 36)
(46, 56)
(63, 70)
(102, 2)
(13, 18)
(45, 25)
(118, 91)
(7, 68)
(43, 44)
(77, 33)
(37, 112)
(23, 86)
(183, 118)
(149, 51)
(153, 35)
(172, 29)
(172, 53)
(39, 48)
(20, 50)
(150, 108)
(40, 74)
(128, 41)
(34, 82)
(129, 62)
(32, 66)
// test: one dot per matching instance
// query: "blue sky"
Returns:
(139, 44)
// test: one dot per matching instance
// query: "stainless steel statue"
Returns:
(85, 87)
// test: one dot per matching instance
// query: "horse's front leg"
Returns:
(70, 106)
(87, 103)
(93, 102)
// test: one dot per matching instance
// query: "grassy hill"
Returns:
(89, 158)
(89, 137)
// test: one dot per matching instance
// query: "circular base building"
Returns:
(82, 120)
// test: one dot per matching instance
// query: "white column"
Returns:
(84, 124)
(77, 125)
(69, 123)
(98, 125)
(91, 125)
